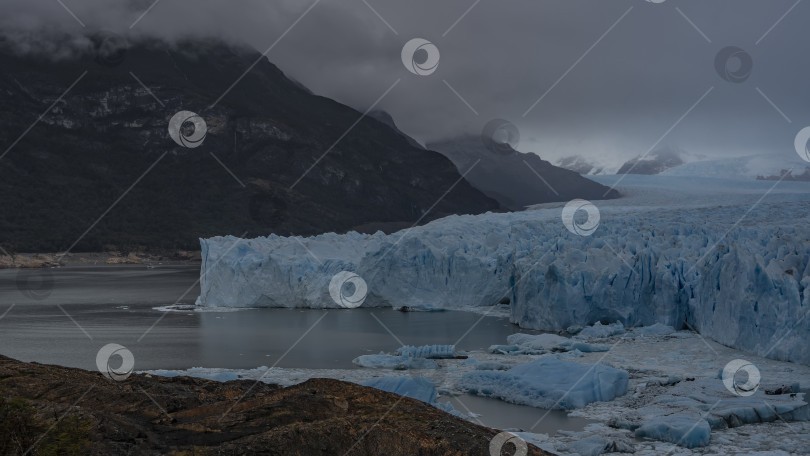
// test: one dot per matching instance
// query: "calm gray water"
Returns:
(90, 307)
(71, 312)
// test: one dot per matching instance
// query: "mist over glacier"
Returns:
(686, 252)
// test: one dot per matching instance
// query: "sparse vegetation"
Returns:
(22, 432)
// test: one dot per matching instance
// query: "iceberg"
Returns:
(418, 388)
(540, 344)
(400, 362)
(596, 445)
(409, 357)
(682, 430)
(429, 351)
(712, 254)
(548, 383)
(686, 412)
(537, 342)
(600, 331)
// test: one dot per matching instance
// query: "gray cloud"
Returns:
(501, 57)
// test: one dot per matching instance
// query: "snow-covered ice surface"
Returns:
(749, 166)
(674, 374)
(548, 383)
(730, 258)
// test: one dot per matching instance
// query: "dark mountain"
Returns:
(386, 118)
(268, 131)
(654, 163)
(517, 179)
(580, 165)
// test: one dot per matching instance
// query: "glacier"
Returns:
(727, 258)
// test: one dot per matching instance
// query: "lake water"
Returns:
(90, 307)
(72, 312)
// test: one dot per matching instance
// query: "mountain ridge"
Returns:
(517, 179)
(276, 158)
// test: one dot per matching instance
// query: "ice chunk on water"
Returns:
(409, 357)
(685, 431)
(418, 388)
(537, 342)
(597, 444)
(429, 351)
(588, 348)
(528, 344)
(549, 383)
(655, 330)
(383, 361)
(600, 331)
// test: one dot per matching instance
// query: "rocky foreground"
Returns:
(48, 410)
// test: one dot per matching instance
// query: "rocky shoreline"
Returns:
(58, 410)
(49, 260)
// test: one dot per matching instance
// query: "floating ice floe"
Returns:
(548, 383)
(597, 444)
(600, 331)
(685, 412)
(682, 430)
(540, 344)
(418, 388)
(398, 362)
(429, 351)
(409, 357)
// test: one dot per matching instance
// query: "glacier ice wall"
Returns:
(714, 255)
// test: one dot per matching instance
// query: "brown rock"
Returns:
(147, 415)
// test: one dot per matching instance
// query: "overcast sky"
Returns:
(617, 74)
